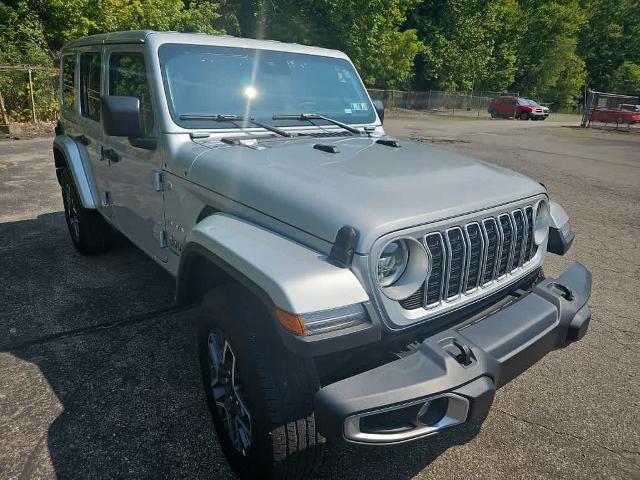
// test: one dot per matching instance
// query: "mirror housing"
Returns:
(379, 106)
(121, 116)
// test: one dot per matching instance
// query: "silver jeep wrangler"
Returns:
(352, 287)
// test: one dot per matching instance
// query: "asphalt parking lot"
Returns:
(99, 375)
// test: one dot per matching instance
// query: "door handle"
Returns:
(83, 140)
(111, 155)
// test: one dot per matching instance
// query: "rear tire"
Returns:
(90, 233)
(494, 114)
(277, 389)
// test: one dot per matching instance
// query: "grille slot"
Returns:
(456, 252)
(466, 258)
(435, 281)
(506, 230)
(414, 301)
(518, 223)
(492, 249)
(475, 244)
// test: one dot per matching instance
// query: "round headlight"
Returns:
(402, 266)
(541, 222)
(392, 262)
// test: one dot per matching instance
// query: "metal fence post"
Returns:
(3, 110)
(33, 103)
(429, 101)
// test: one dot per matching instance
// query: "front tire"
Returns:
(494, 114)
(524, 116)
(252, 382)
(89, 232)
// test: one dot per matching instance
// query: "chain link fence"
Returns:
(607, 110)
(28, 93)
(450, 103)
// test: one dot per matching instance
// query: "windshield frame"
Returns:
(373, 118)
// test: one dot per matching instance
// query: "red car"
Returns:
(624, 113)
(517, 107)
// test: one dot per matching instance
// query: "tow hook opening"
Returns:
(563, 291)
(407, 421)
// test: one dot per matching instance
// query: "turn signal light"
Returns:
(291, 322)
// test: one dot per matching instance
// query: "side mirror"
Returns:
(121, 116)
(379, 106)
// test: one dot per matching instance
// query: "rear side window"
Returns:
(90, 85)
(68, 82)
(128, 78)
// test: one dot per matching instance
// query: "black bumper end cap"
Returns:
(480, 394)
(579, 325)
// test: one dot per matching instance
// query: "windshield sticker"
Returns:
(347, 110)
(359, 107)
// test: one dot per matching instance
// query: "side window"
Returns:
(90, 85)
(128, 77)
(68, 82)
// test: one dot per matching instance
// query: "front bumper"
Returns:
(452, 376)
(539, 114)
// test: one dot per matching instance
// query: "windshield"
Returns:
(526, 101)
(212, 80)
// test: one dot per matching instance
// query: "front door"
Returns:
(135, 196)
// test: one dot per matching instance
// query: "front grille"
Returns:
(465, 258)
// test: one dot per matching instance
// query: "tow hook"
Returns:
(460, 351)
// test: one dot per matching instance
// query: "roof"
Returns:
(157, 38)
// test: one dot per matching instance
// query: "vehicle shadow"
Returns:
(117, 390)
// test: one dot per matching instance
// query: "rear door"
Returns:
(134, 172)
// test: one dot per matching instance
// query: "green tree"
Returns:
(369, 32)
(22, 39)
(548, 65)
(68, 19)
(626, 78)
(611, 37)
(467, 43)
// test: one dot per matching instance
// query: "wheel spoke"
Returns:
(219, 392)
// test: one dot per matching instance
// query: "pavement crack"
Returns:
(122, 322)
(617, 451)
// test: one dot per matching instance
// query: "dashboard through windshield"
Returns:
(213, 80)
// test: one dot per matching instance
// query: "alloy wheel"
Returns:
(72, 212)
(228, 391)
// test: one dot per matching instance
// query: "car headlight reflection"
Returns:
(402, 267)
(392, 262)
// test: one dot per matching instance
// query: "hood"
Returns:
(372, 187)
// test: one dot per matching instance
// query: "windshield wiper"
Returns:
(237, 118)
(314, 116)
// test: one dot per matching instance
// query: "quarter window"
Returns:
(68, 81)
(128, 77)
(90, 85)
